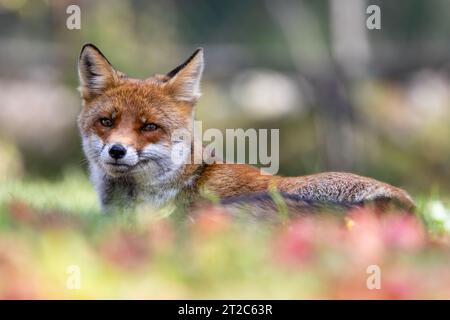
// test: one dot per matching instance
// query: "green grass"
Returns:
(72, 193)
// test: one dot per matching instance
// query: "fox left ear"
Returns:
(184, 83)
(95, 72)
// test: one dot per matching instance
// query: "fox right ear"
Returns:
(185, 79)
(95, 72)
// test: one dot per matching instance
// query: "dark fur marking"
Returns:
(293, 201)
(96, 49)
(172, 73)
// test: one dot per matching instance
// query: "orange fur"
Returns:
(229, 180)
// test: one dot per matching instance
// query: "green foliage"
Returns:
(45, 227)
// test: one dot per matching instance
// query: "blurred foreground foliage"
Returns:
(51, 230)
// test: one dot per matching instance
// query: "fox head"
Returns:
(127, 125)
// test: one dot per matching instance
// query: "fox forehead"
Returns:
(141, 100)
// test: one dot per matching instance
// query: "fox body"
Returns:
(126, 126)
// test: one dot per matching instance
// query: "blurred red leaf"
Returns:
(403, 232)
(126, 249)
(210, 221)
(295, 242)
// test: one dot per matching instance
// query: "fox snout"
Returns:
(117, 151)
(118, 158)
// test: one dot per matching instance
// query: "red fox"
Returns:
(126, 125)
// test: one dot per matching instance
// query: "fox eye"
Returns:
(150, 127)
(106, 122)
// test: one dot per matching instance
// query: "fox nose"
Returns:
(117, 151)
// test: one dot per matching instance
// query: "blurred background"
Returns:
(374, 102)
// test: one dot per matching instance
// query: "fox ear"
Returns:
(95, 72)
(184, 83)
